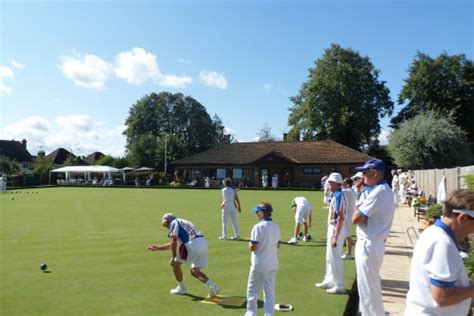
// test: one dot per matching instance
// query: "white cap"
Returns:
(335, 177)
(358, 175)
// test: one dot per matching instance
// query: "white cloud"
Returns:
(5, 73)
(17, 65)
(136, 66)
(267, 87)
(184, 61)
(174, 81)
(80, 134)
(213, 79)
(88, 71)
(383, 136)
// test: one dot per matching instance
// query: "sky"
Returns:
(71, 70)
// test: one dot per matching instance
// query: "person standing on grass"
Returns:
(334, 278)
(192, 250)
(303, 215)
(374, 217)
(3, 183)
(351, 198)
(264, 244)
(230, 206)
(439, 284)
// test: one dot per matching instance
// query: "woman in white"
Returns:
(395, 186)
(439, 284)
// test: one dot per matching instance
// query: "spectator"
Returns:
(275, 181)
(395, 186)
(403, 182)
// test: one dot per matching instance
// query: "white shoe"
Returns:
(222, 238)
(235, 238)
(336, 290)
(213, 290)
(346, 256)
(324, 285)
(178, 290)
(305, 239)
(293, 241)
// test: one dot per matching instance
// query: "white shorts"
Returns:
(197, 253)
(302, 215)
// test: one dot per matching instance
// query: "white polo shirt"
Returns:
(436, 261)
(266, 234)
(228, 195)
(378, 207)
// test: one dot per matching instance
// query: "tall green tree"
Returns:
(116, 162)
(41, 168)
(429, 140)
(444, 84)
(9, 166)
(343, 100)
(178, 122)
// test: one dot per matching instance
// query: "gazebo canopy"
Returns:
(90, 169)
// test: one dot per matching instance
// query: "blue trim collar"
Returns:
(448, 231)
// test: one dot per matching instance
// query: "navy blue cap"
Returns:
(371, 164)
(261, 208)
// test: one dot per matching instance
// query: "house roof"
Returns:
(15, 150)
(92, 158)
(59, 156)
(300, 152)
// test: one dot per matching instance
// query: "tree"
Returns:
(343, 100)
(265, 134)
(41, 168)
(116, 162)
(429, 140)
(444, 84)
(180, 123)
(9, 166)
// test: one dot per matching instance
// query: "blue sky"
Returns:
(70, 71)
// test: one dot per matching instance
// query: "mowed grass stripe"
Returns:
(94, 241)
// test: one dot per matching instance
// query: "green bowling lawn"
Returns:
(94, 241)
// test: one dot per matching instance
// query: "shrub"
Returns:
(434, 211)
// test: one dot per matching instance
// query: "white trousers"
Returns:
(334, 266)
(396, 196)
(257, 280)
(403, 193)
(232, 212)
(368, 258)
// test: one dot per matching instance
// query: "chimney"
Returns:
(23, 142)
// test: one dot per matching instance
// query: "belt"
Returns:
(198, 236)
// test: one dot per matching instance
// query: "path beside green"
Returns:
(94, 241)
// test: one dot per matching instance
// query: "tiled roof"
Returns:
(15, 150)
(300, 152)
(92, 158)
(59, 156)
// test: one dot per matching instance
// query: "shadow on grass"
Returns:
(196, 298)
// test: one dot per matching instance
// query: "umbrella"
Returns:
(442, 191)
(144, 169)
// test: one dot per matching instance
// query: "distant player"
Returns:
(350, 196)
(230, 206)
(3, 183)
(334, 278)
(264, 243)
(192, 250)
(303, 215)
